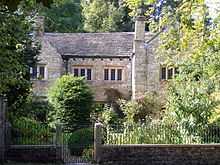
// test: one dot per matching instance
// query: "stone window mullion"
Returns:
(38, 72)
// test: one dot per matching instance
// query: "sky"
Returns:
(214, 7)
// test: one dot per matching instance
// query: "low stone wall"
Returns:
(34, 153)
(159, 155)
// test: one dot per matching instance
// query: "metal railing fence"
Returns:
(32, 134)
(161, 134)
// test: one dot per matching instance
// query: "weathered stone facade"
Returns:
(126, 51)
(100, 86)
(53, 70)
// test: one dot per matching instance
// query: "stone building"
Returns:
(120, 61)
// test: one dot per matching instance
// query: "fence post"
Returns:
(3, 104)
(58, 134)
(59, 141)
(97, 141)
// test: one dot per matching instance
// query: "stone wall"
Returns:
(160, 155)
(139, 60)
(53, 67)
(34, 153)
(98, 84)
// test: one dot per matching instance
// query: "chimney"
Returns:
(39, 26)
(139, 59)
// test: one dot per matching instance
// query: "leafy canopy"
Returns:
(105, 16)
(193, 38)
(190, 39)
(64, 16)
(18, 52)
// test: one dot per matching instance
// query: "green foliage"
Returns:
(88, 154)
(134, 5)
(29, 131)
(34, 107)
(211, 134)
(17, 52)
(72, 101)
(14, 4)
(150, 132)
(192, 38)
(108, 116)
(148, 106)
(37, 108)
(104, 16)
(62, 17)
(80, 140)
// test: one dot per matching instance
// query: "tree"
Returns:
(190, 36)
(72, 100)
(193, 38)
(105, 16)
(13, 4)
(18, 52)
(64, 16)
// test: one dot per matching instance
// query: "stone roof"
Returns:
(117, 44)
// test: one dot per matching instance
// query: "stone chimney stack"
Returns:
(139, 59)
(39, 26)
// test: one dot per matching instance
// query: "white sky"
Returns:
(214, 7)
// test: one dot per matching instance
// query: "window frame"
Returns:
(167, 69)
(38, 72)
(108, 76)
(85, 68)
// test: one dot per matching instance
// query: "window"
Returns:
(163, 73)
(82, 72)
(105, 74)
(168, 72)
(42, 72)
(85, 72)
(119, 74)
(113, 74)
(38, 72)
(89, 74)
(76, 72)
(33, 72)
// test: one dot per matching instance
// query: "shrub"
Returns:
(88, 154)
(109, 116)
(147, 106)
(72, 100)
(36, 108)
(29, 131)
(112, 97)
(80, 140)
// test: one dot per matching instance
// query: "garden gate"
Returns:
(77, 146)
